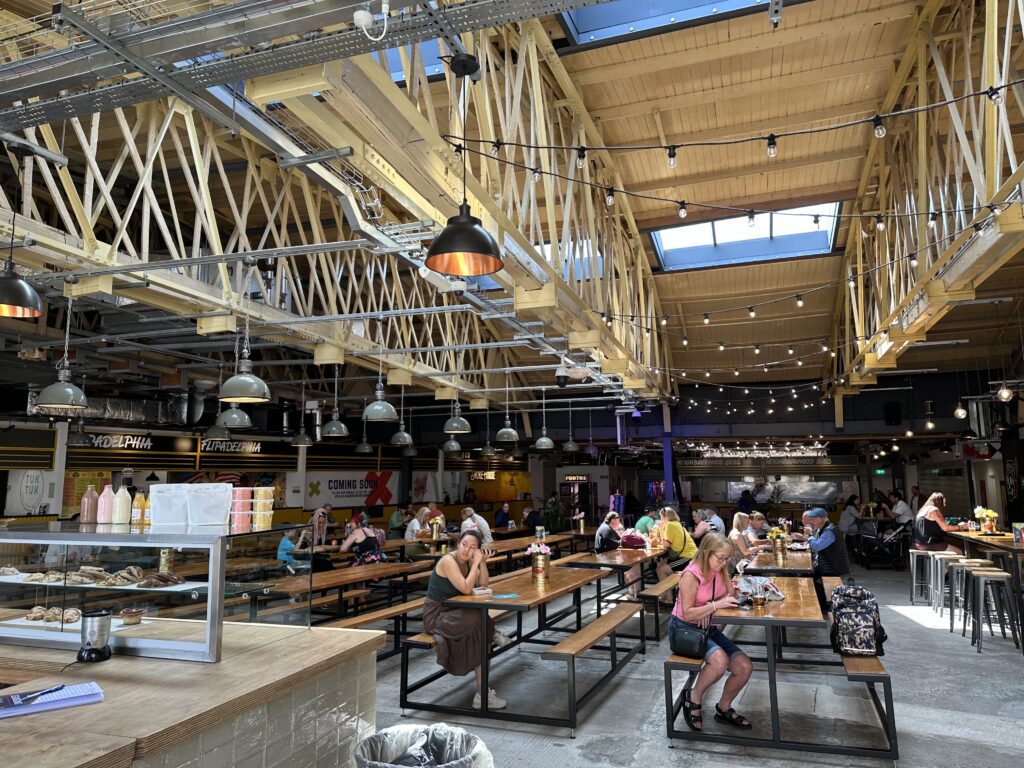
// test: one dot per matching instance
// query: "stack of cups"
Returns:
(262, 509)
(241, 510)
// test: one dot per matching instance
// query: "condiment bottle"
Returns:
(122, 513)
(147, 511)
(105, 506)
(138, 504)
(90, 501)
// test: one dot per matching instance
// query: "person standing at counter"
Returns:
(502, 516)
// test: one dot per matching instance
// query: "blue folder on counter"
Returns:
(44, 700)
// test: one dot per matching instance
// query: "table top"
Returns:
(343, 577)
(799, 609)
(796, 564)
(1003, 540)
(618, 559)
(561, 581)
(504, 533)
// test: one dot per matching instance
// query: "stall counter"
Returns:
(264, 705)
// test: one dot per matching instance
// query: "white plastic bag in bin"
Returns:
(438, 745)
(209, 503)
(169, 504)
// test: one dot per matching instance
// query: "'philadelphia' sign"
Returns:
(131, 442)
(231, 446)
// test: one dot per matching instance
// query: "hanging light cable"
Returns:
(302, 440)
(488, 451)
(364, 447)
(401, 437)
(544, 443)
(507, 434)
(63, 396)
(464, 248)
(570, 445)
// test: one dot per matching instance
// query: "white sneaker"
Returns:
(501, 639)
(493, 702)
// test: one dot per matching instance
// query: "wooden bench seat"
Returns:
(381, 614)
(864, 669)
(831, 582)
(593, 633)
(652, 597)
(426, 640)
(325, 601)
(684, 662)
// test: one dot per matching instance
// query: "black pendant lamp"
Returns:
(17, 297)
(464, 248)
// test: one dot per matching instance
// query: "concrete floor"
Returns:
(954, 707)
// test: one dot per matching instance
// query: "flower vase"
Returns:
(778, 547)
(582, 526)
(541, 569)
(780, 556)
(988, 525)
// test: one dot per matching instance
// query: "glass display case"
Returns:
(168, 590)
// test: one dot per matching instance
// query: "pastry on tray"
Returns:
(8, 570)
(71, 616)
(36, 614)
(81, 578)
(161, 579)
(53, 614)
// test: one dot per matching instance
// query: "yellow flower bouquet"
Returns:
(981, 513)
(776, 533)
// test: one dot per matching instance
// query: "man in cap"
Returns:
(828, 549)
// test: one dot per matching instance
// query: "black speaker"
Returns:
(893, 414)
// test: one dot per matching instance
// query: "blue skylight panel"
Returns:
(623, 18)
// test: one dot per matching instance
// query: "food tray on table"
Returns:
(800, 546)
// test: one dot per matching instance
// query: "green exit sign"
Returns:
(879, 471)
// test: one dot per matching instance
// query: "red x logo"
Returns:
(380, 494)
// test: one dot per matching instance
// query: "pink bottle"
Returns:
(105, 506)
(90, 502)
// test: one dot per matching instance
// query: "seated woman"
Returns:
(741, 546)
(679, 544)
(849, 518)
(645, 522)
(607, 537)
(756, 529)
(417, 528)
(457, 630)
(930, 525)
(502, 516)
(362, 542)
(705, 587)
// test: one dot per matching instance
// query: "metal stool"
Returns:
(956, 578)
(997, 584)
(918, 587)
(937, 575)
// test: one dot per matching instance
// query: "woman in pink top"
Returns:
(704, 587)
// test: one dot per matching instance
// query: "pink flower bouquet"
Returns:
(538, 549)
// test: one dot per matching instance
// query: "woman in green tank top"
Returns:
(457, 630)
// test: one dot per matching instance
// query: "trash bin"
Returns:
(439, 745)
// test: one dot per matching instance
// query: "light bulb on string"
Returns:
(913, 260)
(707, 318)
(721, 346)
(773, 148)
(852, 282)
(686, 341)
(536, 175)
(673, 161)
(581, 158)
(879, 127)
(995, 95)
(664, 320)
(933, 220)
(799, 300)
(682, 209)
(789, 350)
(752, 312)
(799, 361)
(757, 349)
(707, 374)
(995, 210)
(495, 147)
(609, 197)
(750, 219)
(959, 412)
(817, 221)
(1005, 394)
(879, 223)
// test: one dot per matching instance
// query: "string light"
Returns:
(789, 350)
(994, 95)
(664, 320)
(773, 148)
(879, 127)
(824, 347)
(799, 300)
(750, 218)
(757, 349)
(495, 147)
(879, 223)
(686, 341)
(707, 318)
(752, 312)
(581, 158)
(707, 374)
(672, 160)
(721, 346)
(913, 261)
(682, 209)
(609, 197)
(933, 220)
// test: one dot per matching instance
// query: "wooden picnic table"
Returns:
(795, 564)
(619, 561)
(341, 578)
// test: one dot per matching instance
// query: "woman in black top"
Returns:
(606, 538)
(930, 526)
(362, 542)
(457, 630)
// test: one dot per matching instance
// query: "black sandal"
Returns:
(691, 713)
(731, 717)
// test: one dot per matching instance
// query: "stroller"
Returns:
(887, 550)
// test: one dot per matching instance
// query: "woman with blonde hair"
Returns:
(741, 547)
(930, 526)
(679, 544)
(417, 526)
(704, 587)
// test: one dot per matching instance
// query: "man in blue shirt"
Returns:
(285, 547)
(828, 550)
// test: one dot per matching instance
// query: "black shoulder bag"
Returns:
(688, 640)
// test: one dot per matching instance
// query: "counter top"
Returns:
(153, 704)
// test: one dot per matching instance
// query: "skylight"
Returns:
(626, 18)
(786, 234)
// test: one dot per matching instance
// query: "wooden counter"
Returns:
(152, 704)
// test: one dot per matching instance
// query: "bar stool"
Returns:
(967, 614)
(915, 585)
(937, 589)
(956, 590)
(997, 583)
(997, 556)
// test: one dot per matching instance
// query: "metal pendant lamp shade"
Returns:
(457, 425)
(507, 434)
(62, 395)
(335, 427)
(364, 447)
(234, 418)
(570, 446)
(217, 432)
(544, 443)
(464, 248)
(79, 438)
(302, 440)
(244, 386)
(401, 437)
(17, 297)
(488, 451)
(380, 409)
(452, 446)
(410, 451)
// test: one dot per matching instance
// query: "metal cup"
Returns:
(95, 636)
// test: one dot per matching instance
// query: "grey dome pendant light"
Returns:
(544, 443)
(457, 425)
(410, 449)
(364, 447)
(219, 430)
(79, 438)
(380, 409)
(234, 418)
(451, 446)
(244, 386)
(334, 428)
(464, 248)
(570, 445)
(507, 434)
(401, 437)
(591, 449)
(63, 396)
(17, 297)
(302, 440)
(488, 451)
